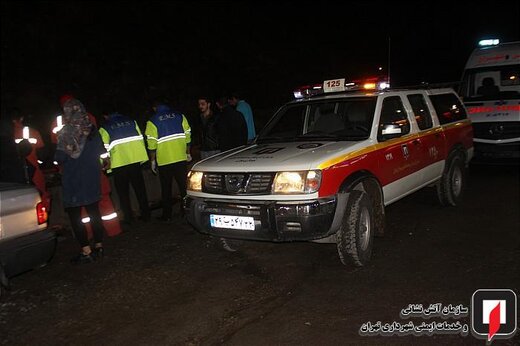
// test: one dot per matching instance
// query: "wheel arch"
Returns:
(457, 148)
(367, 182)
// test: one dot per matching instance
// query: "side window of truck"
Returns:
(393, 122)
(448, 108)
(420, 111)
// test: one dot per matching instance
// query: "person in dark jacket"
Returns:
(12, 159)
(209, 144)
(231, 126)
(243, 107)
(78, 151)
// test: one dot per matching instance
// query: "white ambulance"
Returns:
(491, 92)
(326, 165)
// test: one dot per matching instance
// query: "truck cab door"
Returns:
(430, 135)
(401, 154)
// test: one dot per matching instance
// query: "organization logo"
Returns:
(493, 314)
(235, 182)
(406, 153)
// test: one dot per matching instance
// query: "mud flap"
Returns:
(342, 199)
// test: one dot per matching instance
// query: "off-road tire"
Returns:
(356, 233)
(451, 186)
(4, 284)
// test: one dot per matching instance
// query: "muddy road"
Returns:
(166, 284)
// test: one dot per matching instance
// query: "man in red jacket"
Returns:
(22, 132)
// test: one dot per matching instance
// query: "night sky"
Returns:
(125, 53)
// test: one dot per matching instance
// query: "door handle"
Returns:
(416, 141)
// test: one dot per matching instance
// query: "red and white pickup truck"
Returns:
(326, 165)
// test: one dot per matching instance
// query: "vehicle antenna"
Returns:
(388, 68)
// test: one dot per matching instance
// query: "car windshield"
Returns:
(492, 83)
(347, 119)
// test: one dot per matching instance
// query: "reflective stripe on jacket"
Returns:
(123, 140)
(168, 133)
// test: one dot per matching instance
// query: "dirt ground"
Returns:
(166, 284)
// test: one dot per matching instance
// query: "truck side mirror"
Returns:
(389, 131)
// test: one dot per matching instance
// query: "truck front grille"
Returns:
(212, 183)
(497, 130)
(238, 183)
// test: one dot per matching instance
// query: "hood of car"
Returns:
(273, 157)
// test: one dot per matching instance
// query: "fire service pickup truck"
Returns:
(326, 165)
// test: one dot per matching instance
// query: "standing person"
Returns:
(168, 134)
(12, 160)
(124, 142)
(244, 108)
(106, 207)
(209, 137)
(57, 125)
(78, 151)
(231, 126)
(22, 132)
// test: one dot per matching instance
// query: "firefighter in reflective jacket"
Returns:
(168, 135)
(34, 138)
(106, 207)
(125, 144)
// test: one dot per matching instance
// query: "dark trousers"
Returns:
(79, 228)
(123, 177)
(178, 171)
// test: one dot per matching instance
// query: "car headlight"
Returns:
(297, 182)
(195, 181)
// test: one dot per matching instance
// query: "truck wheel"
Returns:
(356, 233)
(450, 188)
(4, 283)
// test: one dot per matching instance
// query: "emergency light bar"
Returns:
(341, 85)
(489, 42)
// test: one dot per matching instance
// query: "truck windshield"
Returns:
(334, 120)
(491, 83)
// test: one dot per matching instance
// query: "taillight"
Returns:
(41, 213)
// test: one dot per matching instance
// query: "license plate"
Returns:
(234, 222)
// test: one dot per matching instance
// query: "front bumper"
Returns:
(276, 221)
(497, 151)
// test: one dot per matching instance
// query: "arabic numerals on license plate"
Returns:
(237, 221)
(234, 222)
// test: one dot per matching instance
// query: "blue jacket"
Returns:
(81, 177)
(123, 140)
(168, 133)
(244, 108)
(120, 126)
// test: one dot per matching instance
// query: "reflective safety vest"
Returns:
(123, 141)
(56, 127)
(26, 134)
(168, 133)
(34, 138)
(59, 122)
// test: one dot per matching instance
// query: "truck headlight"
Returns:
(195, 181)
(297, 182)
